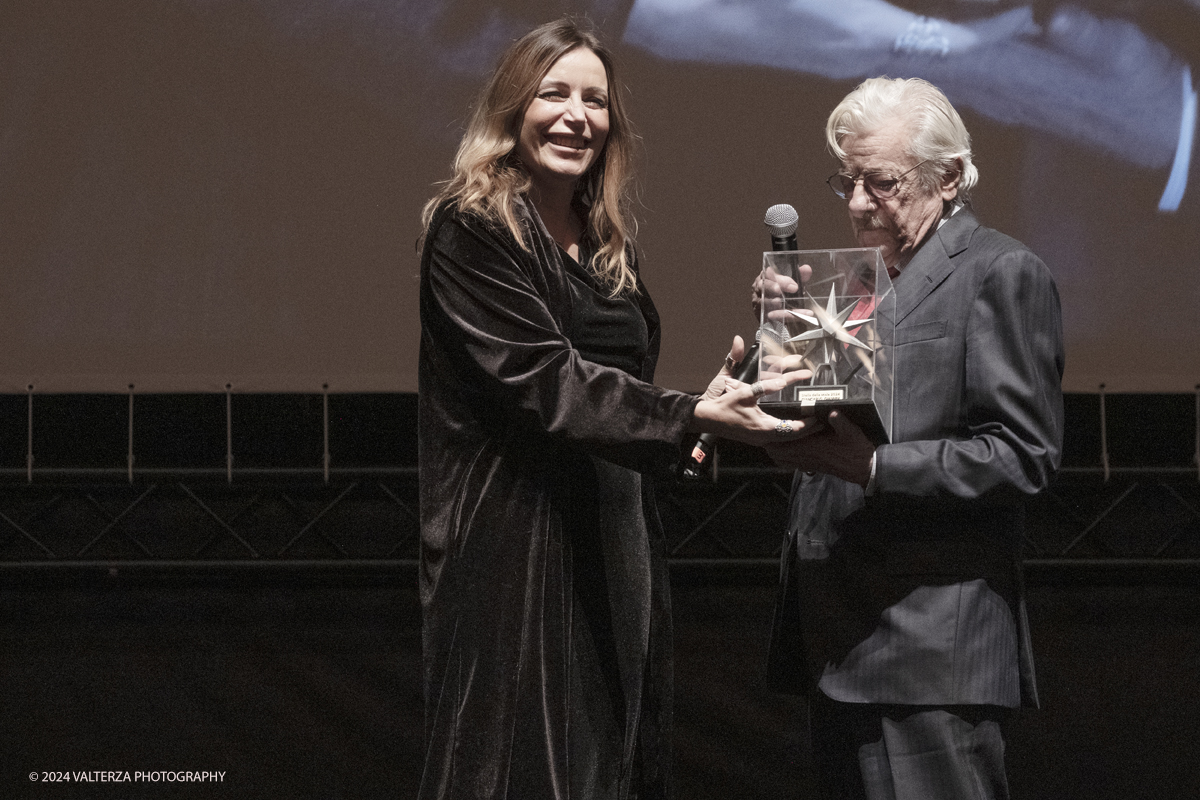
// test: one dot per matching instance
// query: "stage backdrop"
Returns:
(202, 193)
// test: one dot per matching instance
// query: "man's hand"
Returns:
(772, 290)
(841, 450)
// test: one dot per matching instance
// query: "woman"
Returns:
(546, 614)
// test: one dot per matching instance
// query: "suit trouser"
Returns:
(899, 752)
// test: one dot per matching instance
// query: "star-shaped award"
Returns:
(828, 327)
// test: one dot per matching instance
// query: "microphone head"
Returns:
(782, 219)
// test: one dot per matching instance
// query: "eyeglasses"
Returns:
(880, 185)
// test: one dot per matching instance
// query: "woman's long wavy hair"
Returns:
(488, 175)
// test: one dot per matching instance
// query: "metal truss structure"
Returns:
(69, 505)
(369, 518)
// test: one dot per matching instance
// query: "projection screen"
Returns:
(197, 194)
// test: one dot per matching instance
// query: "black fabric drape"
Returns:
(546, 609)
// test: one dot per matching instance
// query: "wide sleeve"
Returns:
(490, 314)
(1012, 408)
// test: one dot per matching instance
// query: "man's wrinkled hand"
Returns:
(838, 448)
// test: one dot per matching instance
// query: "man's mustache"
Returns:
(868, 222)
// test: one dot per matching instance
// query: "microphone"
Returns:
(782, 220)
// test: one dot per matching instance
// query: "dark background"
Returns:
(310, 688)
(209, 196)
(282, 644)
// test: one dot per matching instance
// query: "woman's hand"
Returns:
(717, 386)
(729, 408)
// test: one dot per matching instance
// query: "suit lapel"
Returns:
(934, 262)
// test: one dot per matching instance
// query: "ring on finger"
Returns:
(729, 362)
(784, 427)
(757, 389)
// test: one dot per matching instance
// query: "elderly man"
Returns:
(901, 607)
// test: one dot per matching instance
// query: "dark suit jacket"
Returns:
(914, 594)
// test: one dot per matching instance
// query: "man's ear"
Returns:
(949, 189)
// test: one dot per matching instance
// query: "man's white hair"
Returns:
(937, 135)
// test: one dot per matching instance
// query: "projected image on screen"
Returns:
(201, 193)
(1100, 81)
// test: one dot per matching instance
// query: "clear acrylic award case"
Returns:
(838, 319)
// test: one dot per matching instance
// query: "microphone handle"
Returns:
(748, 370)
(747, 373)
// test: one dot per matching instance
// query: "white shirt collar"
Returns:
(955, 207)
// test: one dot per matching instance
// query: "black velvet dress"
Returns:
(543, 584)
